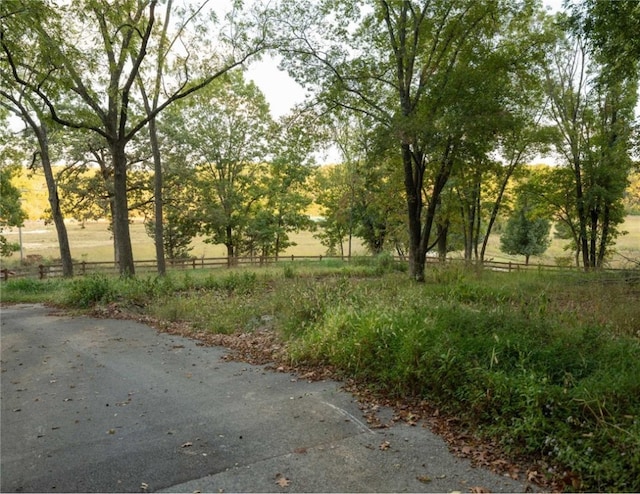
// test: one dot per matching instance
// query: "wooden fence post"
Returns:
(5, 274)
(41, 271)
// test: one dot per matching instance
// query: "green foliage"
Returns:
(216, 303)
(11, 212)
(524, 235)
(243, 282)
(88, 291)
(29, 290)
(98, 289)
(546, 365)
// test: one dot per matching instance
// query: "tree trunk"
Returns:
(593, 238)
(54, 202)
(582, 218)
(414, 208)
(158, 235)
(604, 237)
(496, 207)
(121, 211)
(442, 231)
(52, 190)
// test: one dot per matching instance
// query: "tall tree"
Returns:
(223, 131)
(25, 105)
(612, 28)
(594, 113)
(187, 26)
(96, 50)
(285, 183)
(402, 63)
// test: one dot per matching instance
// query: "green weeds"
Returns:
(28, 290)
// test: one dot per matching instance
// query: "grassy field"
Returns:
(93, 243)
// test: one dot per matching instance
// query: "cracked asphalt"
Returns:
(95, 405)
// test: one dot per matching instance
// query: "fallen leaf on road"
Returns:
(282, 481)
(425, 479)
(144, 486)
(187, 444)
(385, 445)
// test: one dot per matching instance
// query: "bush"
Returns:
(90, 290)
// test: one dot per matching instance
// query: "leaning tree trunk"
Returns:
(54, 203)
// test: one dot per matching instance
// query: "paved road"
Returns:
(92, 405)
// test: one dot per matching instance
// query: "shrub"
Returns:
(87, 291)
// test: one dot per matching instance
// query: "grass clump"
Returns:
(88, 291)
(29, 290)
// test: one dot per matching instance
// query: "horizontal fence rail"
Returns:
(45, 271)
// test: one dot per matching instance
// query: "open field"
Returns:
(93, 243)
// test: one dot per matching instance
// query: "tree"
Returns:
(594, 113)
(25, 105)
(289, 170)
(11, 212)
(612, 29)
(404, 64)
(181, 216)
(332, 183)
(222, 131)
(95, 53)
(524, 235)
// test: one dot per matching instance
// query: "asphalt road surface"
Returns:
(92, 405)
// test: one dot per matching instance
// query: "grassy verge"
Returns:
(547, 366)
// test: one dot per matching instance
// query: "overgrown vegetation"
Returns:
(545, 365)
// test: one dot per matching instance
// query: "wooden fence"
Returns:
(43, 271)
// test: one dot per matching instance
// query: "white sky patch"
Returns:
(281, 91)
